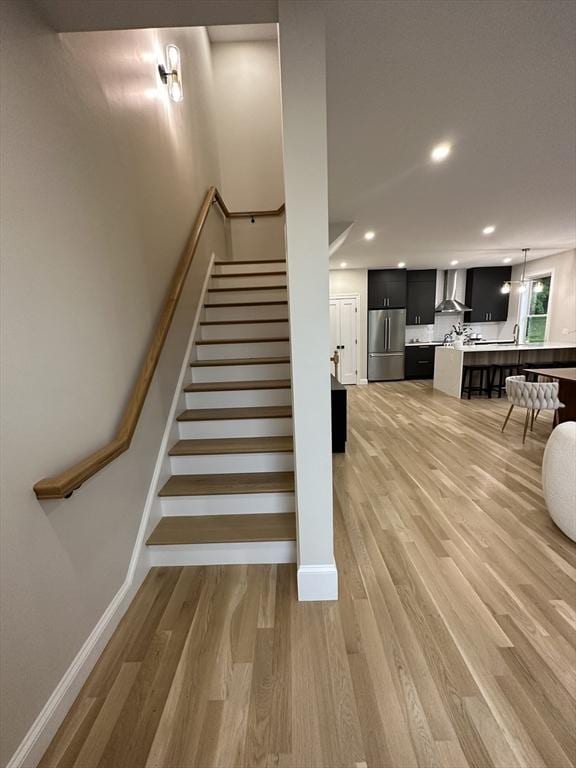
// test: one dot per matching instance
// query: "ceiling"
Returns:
(240, 33)
(92, 15)
(495, 78)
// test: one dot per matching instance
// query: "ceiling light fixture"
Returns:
(489, 230)
(454, 262)
(343, 264)
(172, 76)
(441, 152)
(369, 235)
(522, 283)
(401, 264)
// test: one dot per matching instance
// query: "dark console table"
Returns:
(339, 416)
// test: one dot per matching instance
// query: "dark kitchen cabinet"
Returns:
(484, 294)
(420, 296)
(386, 288)
(339, 415)
(419, 362)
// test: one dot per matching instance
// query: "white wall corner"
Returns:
(318, 582)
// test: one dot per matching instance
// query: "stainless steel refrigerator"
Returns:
(386, 340)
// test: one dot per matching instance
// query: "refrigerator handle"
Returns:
(387, 334)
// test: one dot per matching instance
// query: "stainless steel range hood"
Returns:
(450, 304)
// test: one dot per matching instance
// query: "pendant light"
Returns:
(522, 283)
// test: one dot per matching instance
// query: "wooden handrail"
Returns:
(245, 214)
(62, 485)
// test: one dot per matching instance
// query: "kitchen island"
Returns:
(449, 362)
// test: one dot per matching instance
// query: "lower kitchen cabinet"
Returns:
(419, 362)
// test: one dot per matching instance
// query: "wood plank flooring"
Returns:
(452, 644)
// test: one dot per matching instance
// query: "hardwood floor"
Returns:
(452, 644)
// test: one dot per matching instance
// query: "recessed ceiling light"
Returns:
(440, 152)
(401, 264)
(454, 262)
(507, 260)
(369, 235)
(343, 263)
(489, 230)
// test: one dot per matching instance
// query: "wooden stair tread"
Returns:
(219, 414)
(239, 361)
(224, 445)
(248, 274)
(207, 342)
(238, 386)
(254, 261)
(226, 484)
(247, 304)
(245, 322)
(224, 529)
(248, 288)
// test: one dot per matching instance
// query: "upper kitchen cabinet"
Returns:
(420, 296)
(386, 288)
(484, 295)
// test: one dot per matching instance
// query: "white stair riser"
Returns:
(244, 349)
(244, 330)
(228, 504)
(190, 430)
(231, 462)
(247, 281)
(257, 312)
(232, 296)
(233, 268)
(241, 372)
(238, 399)
(253, 553)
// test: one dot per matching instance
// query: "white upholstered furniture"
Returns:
(534, 396)
(559, 477)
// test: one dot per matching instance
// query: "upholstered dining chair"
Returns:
(534, 396)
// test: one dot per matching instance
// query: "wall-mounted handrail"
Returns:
(244, 214)
(63, 484)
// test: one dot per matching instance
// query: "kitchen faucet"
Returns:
(516, 333)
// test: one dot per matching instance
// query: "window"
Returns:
(537, 310)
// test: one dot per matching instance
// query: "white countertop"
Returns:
(484, 342)
(513, 347)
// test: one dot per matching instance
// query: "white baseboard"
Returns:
(362, 382)
(43, 729)
(38, 738)
(318, 582)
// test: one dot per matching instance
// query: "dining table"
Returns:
(566, 378)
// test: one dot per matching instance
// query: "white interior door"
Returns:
(343, 336)
(334, 325)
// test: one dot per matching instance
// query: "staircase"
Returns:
(230, 495)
